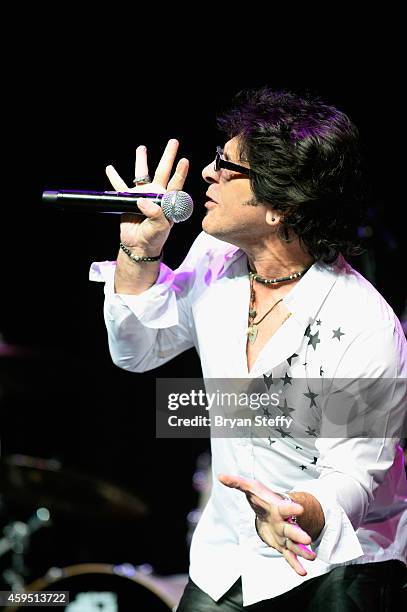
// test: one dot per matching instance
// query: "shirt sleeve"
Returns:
(147, 330)
(357, 452)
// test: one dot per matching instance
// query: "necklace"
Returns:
(272, 281)
(252, 328)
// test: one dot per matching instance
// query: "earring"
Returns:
(273, 218)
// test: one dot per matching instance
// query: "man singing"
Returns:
(311, 517)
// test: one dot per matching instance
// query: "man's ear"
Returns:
(272, 217)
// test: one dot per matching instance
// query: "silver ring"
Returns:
(142, 180)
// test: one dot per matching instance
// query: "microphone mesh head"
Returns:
(177, 206)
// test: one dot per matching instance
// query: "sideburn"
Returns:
(251, 202)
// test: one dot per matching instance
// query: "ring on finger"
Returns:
(142, 180)
(286, 542)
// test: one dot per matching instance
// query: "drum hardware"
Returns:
(17, 539)
(112, 588)
(32, 481)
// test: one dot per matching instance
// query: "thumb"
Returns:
(235, 482)
(149, 208)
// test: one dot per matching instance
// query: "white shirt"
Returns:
(340, 328)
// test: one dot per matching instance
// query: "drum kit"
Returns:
(54, 492)
(50, 494)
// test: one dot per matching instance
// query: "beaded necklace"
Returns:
(272, 281)
(252, 327)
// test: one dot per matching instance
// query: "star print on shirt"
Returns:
(311, 396)
(286, 409)
(287, 379)
(337, 334)
(308, 331)
(311, 432)
(314, 461)
(271, 441)
(283, 433)
(314, 340)
(319, 322)
(268, 380)
(303, 467)
(266, 412)
(321, 371)
(290, 358)
(298, 447)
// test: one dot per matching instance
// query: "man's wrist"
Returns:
(138, 256)
(134, 278)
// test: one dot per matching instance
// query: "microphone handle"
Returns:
(97, 201)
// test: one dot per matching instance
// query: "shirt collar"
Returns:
(307, 296)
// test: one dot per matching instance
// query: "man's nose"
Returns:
(209, 174)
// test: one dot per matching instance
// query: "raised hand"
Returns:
(273, 520)
(147, 236)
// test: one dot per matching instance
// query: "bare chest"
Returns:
(262, 333)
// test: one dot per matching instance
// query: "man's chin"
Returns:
(216, 232)
(210, 228)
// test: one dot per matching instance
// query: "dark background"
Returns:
(74, 104)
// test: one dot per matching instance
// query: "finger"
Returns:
(295, 539)
(259, 507)
(296, 534)
(287, 509)
(115, 179)
(150, 209)
(141, 165)
(248, 486)
(178, 178)
(237, 482)
(257, 503)
(245, 486)
(300, 550)
(164, 168)
(292, 560)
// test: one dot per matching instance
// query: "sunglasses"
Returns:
(222, 163)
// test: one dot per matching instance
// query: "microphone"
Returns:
(176, 205)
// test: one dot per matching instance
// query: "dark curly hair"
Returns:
(306, 161)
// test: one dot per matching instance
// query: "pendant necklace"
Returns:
(252, 329)
(253, 325)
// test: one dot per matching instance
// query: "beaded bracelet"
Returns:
(139, 258)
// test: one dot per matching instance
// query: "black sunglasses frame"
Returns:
(222, 163)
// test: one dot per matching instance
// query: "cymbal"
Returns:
(31, 482)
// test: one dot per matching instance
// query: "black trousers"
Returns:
(371, 587)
